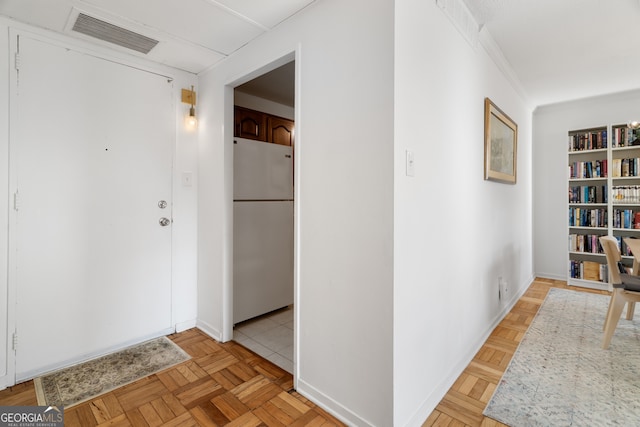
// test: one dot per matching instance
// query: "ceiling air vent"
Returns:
(105, 31)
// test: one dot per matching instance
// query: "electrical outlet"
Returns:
(503, 288)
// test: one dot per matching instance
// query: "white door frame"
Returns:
(81, 47)
(11, 243)
(7, 370)
(227, 287)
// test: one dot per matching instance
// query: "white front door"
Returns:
(91, 158)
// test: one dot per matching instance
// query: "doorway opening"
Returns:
(263, 215)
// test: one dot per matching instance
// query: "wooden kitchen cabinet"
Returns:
(252, 124)
(279, 130)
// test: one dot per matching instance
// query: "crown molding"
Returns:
(495, 53)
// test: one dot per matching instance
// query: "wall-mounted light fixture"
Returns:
(189, 97)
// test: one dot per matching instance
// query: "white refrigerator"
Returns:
(262, 228)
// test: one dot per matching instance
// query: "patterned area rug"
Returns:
(83, 382)
(560, 376)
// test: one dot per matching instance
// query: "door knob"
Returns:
(164, 221)
(162, 204)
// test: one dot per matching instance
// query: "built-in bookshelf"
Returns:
(603, 199)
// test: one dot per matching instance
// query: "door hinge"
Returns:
(16, 201)
(17, 61)
(15, 341)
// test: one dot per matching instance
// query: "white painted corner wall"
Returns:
(394, 273)
(344, 199)
(455, 234)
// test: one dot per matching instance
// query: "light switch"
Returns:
(410, 167)
(187, 179)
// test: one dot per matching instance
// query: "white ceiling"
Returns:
(277, 85)
(559, 49)
(194, 34)
(566, 49)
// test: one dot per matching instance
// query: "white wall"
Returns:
(184, 243)
(455, 233)
(552, 124)
(260, 104)
(184, 236)
(344, 199)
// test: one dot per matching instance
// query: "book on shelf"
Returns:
(616, 168)
(590, 140)
(591, 270)
(588, 194)
(588, 243)
(626, 167)
(625, 137)
(582, 217)
(588, 270)
(625, 218)
(619, 136)
(588, 169)
(625, 193)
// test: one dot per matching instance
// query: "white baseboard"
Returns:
(429, 404)
(209, 330)
(330, 405)
(551, 276)
(4, 382)
(188, 324)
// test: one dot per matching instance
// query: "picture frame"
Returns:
(500, 145)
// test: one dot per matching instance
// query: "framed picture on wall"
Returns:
(500, 145)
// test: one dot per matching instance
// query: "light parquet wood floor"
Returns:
(466, 399)
(226, 384)
(222, 385)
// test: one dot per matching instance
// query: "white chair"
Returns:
(626, 289)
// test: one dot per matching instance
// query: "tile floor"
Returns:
(270, 336)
